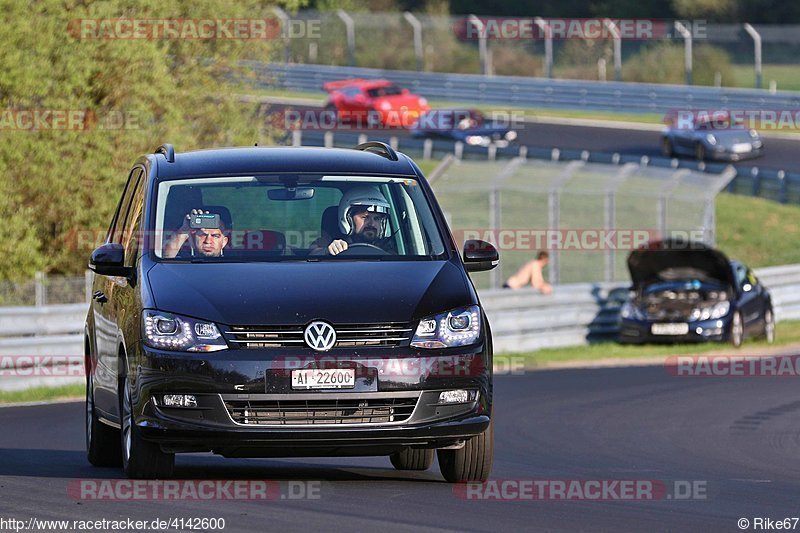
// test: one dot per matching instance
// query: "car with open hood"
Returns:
(221, 321)
(687, 291)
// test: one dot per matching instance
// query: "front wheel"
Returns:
(473, 462)
(666, 147)
(700, 152)
(769, 326)
(140, 459)
(737, 330)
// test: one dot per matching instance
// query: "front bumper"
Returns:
(246, 406)
(641, 331)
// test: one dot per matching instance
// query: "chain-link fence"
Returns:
(724, 54)
(46, 290)
(588, 216)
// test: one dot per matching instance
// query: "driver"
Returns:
(363, 218)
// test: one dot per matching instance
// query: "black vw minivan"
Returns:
(225, 317)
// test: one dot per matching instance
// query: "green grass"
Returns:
(786, 76)
(759, 232)
(786, 333)
(39, 394)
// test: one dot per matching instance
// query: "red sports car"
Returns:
(371, 103)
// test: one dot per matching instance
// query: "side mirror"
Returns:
(480, 256)
(108, 259)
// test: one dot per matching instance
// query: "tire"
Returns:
(140, 459)
(666, 147)
(737, 330)
(102, 441)
(473, 462)
(412, 459)
(769, 325)
(700, 152)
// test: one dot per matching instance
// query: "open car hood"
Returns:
(670, 260)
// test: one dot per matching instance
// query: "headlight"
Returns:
(423, 102)
(710, 313)
(511, 135)
(478, 140)
(753, 134)
(167, 331)
(631, 311)
(457, 327)
(711, 139)
(385, 106)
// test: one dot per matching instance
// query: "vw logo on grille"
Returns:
(320, 336)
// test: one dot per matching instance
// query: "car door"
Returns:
(749, 300)
(104, 309)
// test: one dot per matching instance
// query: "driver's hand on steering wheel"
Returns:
(336, 247)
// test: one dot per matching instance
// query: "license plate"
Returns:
(670, 329)
(325, 378)
(741, 148)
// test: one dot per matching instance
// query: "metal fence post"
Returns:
(88, 281)
(687, 38)
(40, 279)
(548, 45)
(615, 34)
(417, 26)
(757, 51)
(495, 275)
(284, 18)
(350, 26)
(482, 46)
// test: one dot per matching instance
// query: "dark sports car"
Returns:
(686, 292)
(469, 126)
(709, 136)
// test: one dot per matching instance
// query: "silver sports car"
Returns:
(709, 136)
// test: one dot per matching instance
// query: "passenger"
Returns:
(531, 272)
(208, 242)
(363, 218)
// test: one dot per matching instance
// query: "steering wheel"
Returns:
(363, 248)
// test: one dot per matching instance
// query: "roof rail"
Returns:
(385, 150)
(168, 151)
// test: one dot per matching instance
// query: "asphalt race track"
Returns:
(737, 438)
(780, 152)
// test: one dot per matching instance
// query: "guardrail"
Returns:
(521, 320)
(776, 185)
(576, 314)
(531, 92)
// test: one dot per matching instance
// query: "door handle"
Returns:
(100, 297)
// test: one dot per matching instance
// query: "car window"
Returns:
(391, 90)
(264, 224)
(131, 234)
(124, 205)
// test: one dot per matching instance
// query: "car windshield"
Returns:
(389, 90)
(294, 217)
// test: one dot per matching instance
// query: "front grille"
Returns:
(313, 412)
(347, 336)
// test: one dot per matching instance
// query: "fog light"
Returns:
(179, 400)
(454, 396)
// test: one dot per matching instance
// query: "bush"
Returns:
(664, 63)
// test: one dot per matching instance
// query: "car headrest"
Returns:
(258, 241)
(329, 226)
